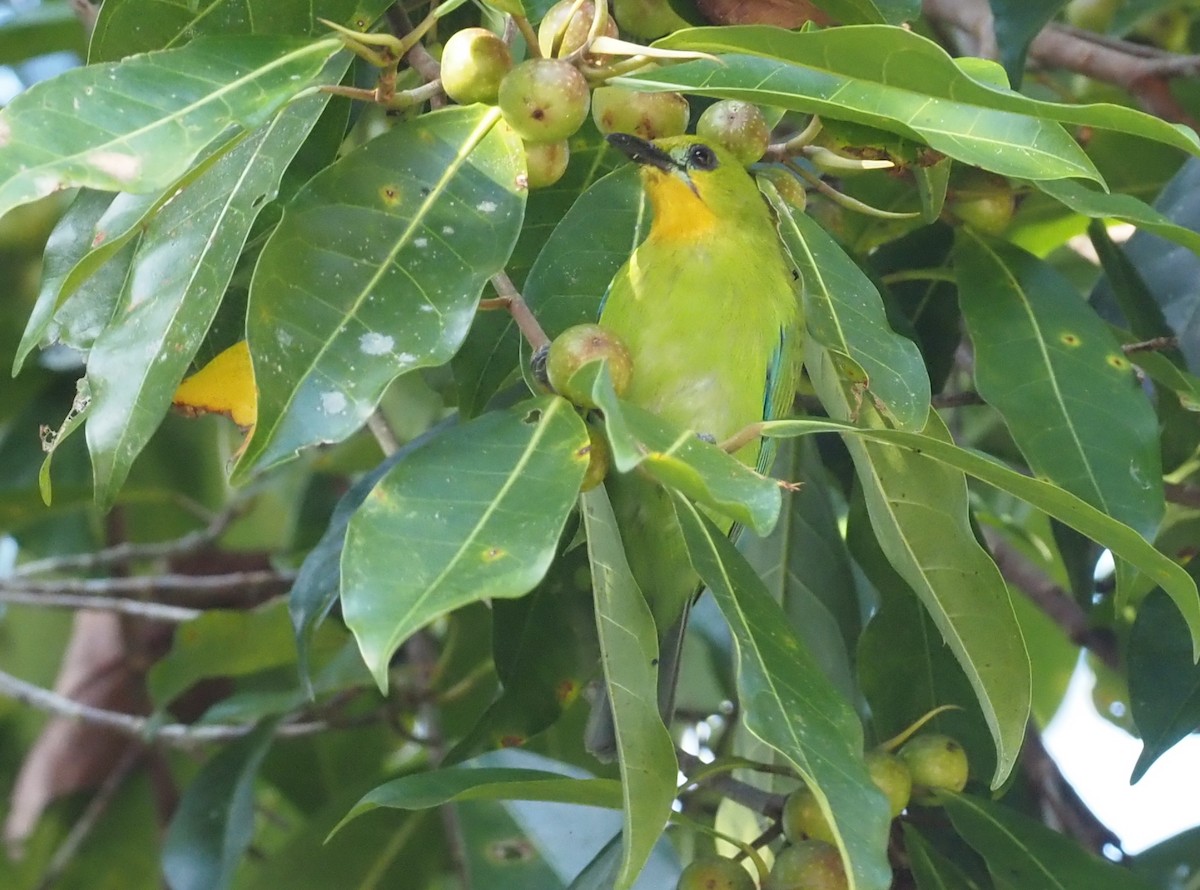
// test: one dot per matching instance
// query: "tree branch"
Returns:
(510, 298)
(156, 611)
(147, 586)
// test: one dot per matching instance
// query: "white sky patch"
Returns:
(333, 402)
(375, 343)
(486, 206)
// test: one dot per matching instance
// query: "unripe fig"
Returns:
(579, 346)
(544, 100)
(802, 817)
(599, 459)
(647, 19)
(649, 115)
(789, 188)
(545, 162)
(890, 774)
(983, 201)
(808, 865)
(563, 31)
(474, 61)
(1091, 15)
(737, 125)
(715, 873)
(935, 761)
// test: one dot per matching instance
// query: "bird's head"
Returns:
(692, 184)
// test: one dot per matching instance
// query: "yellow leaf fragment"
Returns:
(224, 386)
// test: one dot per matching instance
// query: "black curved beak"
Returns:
(642, 152)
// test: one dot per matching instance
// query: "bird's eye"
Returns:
(701, 157)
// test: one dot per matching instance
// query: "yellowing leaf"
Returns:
(224, 386)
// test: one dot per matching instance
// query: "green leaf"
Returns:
(932, 870)
(853, 73)
(629, 654)
(904, 668)
(125, 27)
(376, 269)
(1164, 682)
(1104, 205)
(919, 512)
(586, 249)
(213, 645)
(491, 352)
(1021, 852)
(680, 459)
(856, 12)
(850, 79)
(68, 244)
(1016, 24)
(137, 125)
(180, 268)
(1163, 863)
(475, 514)
(1123, 541)
(844, 312)
(214, 824)
(790, 705)
(436, 787)
(1075, 409)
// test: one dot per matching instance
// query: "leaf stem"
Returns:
(530, 35)
(508, 297)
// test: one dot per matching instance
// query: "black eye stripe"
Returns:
(701, 157)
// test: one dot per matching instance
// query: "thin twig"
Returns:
(156, 611)
(127, 552)
(1057, 604)
(384, 435)
(747, 795)
(419, 57)
(1154, 344)
(510, 298)
(957, 399)
(1184, 495)
(146, 586)
(144, 728)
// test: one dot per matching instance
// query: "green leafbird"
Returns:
(707, 307)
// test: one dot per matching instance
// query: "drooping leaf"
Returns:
(137, 125)
(919, 512)
(1164, 681)
(844, 312)
(1075, 410)
(1016, 24)
(474, 514)
(214, 824)
(853, 74)
(1123, 541)
(629, 654)
(1111, 205)
(790, 705)
(178, 274)
(376, 269)
(931, 869)
(1021, 852)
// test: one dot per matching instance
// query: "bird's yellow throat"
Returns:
(679, 213)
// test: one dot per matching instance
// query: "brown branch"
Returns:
(1062, 806)
(1184, 495)
(419, 57)
(1057, 604)
(747, 795)
(189, 587)
(140, 608)
(1154, 344)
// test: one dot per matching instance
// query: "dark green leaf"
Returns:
(1075, 410)
(1168, 860)
(1022, 853)
(1105, 205)
(137, 125)
(475, 514)
(629, 654)
(376, 269)
(930, 868)
(1016, 24)
(790, 705)
(214, 824)
(843, 311)
(48, 27)
(1164, 682)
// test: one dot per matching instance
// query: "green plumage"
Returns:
(707, 308)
